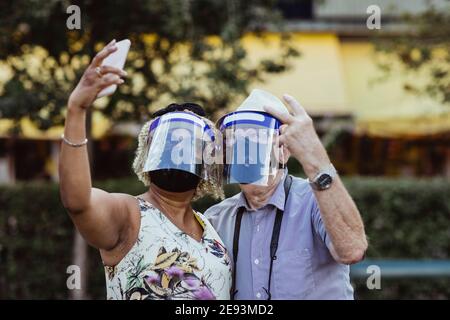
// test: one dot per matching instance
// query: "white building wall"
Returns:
(354, 9)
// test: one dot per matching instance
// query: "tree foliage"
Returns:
(181, 50)
(424, 48)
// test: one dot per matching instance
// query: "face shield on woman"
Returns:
(250, 147)
(179, 143)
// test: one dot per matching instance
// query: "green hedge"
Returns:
(404, 219)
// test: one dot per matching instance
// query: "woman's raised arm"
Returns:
(98, 215)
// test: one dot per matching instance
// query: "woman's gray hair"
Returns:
(212, 185)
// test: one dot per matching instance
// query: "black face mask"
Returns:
(174, 180)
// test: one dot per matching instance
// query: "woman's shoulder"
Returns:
(144, 204)
(148, 210)
(201, 217)
(206, 224)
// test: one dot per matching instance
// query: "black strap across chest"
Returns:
(273, 241)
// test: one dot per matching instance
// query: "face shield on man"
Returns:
(250, 141)
(175, 157)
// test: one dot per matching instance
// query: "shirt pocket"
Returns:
(293, 274)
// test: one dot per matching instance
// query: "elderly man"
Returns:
(290, 238)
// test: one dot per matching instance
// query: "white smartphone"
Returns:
(117, 60)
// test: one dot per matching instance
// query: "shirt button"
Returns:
(258, 295)
(256, 261)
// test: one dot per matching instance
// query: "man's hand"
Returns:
(298, 135)
(338, 212)
(95, 79)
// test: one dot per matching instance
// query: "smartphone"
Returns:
(117, 60)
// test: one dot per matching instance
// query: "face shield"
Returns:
(179, 141)
(250, 147)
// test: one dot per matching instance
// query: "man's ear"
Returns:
(285, 156)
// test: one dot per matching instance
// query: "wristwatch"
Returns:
(324, 178)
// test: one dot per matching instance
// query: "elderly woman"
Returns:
(153, 246)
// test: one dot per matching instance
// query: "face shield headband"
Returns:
(179, 141)
(250, 147)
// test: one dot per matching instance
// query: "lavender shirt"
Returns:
(304, 268)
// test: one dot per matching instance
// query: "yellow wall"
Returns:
(380, 104)
(316, 77)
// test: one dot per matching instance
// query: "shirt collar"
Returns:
(277, 199)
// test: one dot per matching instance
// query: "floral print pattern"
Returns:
(166, 263)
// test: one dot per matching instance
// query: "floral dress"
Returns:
(166, 263)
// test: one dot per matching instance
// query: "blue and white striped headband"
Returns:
(262, 119)
(182, 116)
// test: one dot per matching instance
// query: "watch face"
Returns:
(324, 181)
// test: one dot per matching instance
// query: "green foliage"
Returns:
(404, 218)
(171, 56)
(35, 242)
(424, 48)
(407, 218)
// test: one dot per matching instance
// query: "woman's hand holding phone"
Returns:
(96, 78)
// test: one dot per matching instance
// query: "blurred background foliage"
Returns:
(36, 235)
(181, 50)
(422, 48)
